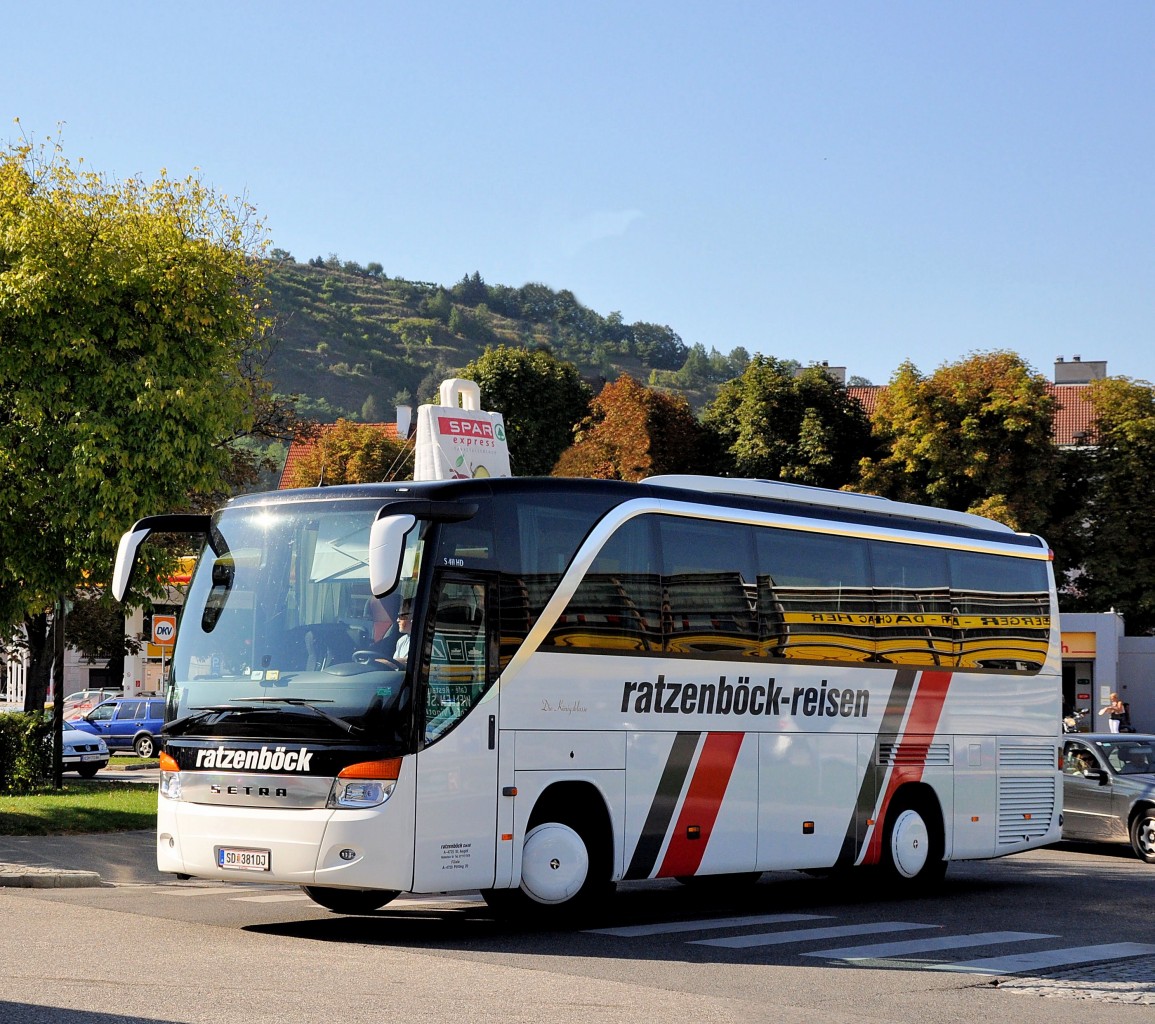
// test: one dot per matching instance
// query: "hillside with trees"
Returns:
(354, 342)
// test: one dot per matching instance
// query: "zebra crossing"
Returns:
(894, 944)
(886, 951)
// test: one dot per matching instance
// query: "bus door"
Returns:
(456, 822)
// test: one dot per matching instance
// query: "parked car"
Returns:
(1109, 790)
(126, 723)
(76, 704)
(83, 752)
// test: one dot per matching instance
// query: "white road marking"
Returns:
(1022, 962)
(810, 934)
(673, 927)
(879, 950)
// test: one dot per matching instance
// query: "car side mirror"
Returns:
(1098, 775)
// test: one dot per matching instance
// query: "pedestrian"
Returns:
(1117, 710)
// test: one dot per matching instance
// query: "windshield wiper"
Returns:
(185, 722)
(300, 702)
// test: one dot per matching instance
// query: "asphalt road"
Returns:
(1066, 932)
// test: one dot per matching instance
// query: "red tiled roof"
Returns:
(1074, 423)
(1074, 419)
(298, 449)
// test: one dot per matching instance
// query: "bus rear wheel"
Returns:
(913, 844)
(349, 901)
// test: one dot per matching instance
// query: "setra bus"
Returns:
(683, 678)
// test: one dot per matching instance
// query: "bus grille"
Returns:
(1026, 807)
(1027, 755)
(914, 753)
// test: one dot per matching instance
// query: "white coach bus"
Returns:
(681, 678)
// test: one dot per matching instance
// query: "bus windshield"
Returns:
(281, 634)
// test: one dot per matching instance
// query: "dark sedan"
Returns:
(1109, 790)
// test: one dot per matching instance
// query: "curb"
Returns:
(20, 876)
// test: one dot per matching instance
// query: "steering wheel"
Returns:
(368, 657)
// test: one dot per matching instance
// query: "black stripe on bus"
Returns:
(874, 776)
(665, 803)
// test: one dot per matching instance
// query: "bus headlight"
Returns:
(365, 784)
(170, 779)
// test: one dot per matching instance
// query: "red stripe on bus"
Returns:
(922, 722)
(702, 803)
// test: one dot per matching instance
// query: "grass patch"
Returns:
(128, 760)
(81, 806)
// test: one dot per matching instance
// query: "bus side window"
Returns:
(457, 670)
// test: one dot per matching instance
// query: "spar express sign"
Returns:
(459, 442)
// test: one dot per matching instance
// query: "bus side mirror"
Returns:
(386, 547)
(131, 540)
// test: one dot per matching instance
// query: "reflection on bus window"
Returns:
(457, 673)
(708, 588)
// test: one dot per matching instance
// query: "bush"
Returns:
(25, 751)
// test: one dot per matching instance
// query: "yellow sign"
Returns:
(1078, 645)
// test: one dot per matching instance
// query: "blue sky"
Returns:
(856, 183)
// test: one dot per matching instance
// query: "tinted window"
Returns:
(698, 587)
(1002, 610)
(618, 604)
(814, 596)
(457, 656)
(914, 622)
(710, 587)
(129, 709)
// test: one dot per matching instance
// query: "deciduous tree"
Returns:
(634, 432)
(351, 453)
(1115, 563)
(779, 423)
(127, 313)
(974, 436)
(540, 398)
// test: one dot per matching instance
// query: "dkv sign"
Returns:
(457, 440)
(163, 630)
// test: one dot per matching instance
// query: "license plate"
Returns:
(242, 860)
(91, 757)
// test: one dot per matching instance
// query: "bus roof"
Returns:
(779, 490)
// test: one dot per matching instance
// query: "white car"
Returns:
(82, 752)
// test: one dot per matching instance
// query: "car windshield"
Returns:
(1129, 757)
(281, 629)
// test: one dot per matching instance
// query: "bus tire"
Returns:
(913, 843)
(564, 870)
(1143, 835)
(349, 901)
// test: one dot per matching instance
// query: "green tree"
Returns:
(634, 432)
(128, 313)
(540, 398)
(975, 436)
(780, 423)
(1114, 563)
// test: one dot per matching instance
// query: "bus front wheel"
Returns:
(913, 844)
(349, 901)
(561, 873)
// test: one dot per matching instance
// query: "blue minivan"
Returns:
(126, 723)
